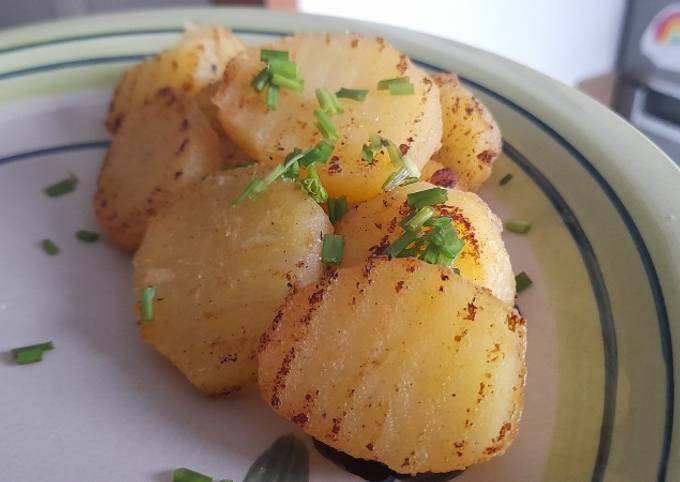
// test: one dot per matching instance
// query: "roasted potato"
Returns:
(221, 272)
(398, 361)
(198, 60)
(332, 61)
(374, 225)
(232, 155)
(163, 147)
(471, 141)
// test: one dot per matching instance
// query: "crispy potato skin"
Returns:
(162, 148)
(401, 362)
(472, 140)
(372, 226)
(198, 60)
(221, 272)
(332, 61)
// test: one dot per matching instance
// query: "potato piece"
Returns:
(161, 149)
(472, 140)
(198, 60)
(232, 155)
(374, 225)
(221, 272)
(401, 362)
(332, 61)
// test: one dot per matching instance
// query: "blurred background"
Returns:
(625, 53)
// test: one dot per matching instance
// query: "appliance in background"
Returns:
(648, 89)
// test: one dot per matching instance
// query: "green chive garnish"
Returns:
(333, 249)
(261, 80)
(522, 281)
(272, 100)
(419, 218)
(312, 184)
(31, 353)
(146, 303)
(505, 179)
(337, 208)
(396, 179)
(269, 54)
(62, 187)
(401, 89)
(385, 84)
(326, 127)
(293, 170)
(328, 101)
(355, 94)
(401, 244)
(428, 197)
(257, 185)
(296, 85)
(320, 153)
(285, 68)
(518, 227)
(87, 236)
(368, 150)
(49, 247)
(188, 475)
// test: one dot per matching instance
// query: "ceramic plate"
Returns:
(603, 253)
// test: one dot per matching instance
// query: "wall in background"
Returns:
(566, 39)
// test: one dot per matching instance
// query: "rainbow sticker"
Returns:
(660, 42)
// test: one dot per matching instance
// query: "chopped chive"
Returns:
(261, 80)
(254, 186)
(505, 179)
(328, 102)
(326, 127)
(285, 68)
(267, 55)
(312, 184)
(522, 281)
(393, 152)
(257, 185)
(418, 219)
(332, 250)
(293, 169)
(62, 187)
(517, 226)
(401, 89)
(355, 94)
(401, 244)
(385, 83)
(320, 153)
(272, 100)
(31, 353)
(457, 271)
(296, 85)
(337, 208)
(146, 303)
(396, 179)
(188, 475)
(87, 236)
(49, 247)
(367, 153)
(428, 197)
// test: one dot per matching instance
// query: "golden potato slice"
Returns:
(332, 61)
(374, 225)
(160, 149)
(232, 155)
(401, 362)
(198, 60)
(472, 140)
(221, 272)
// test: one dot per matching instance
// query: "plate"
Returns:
(603, 252)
